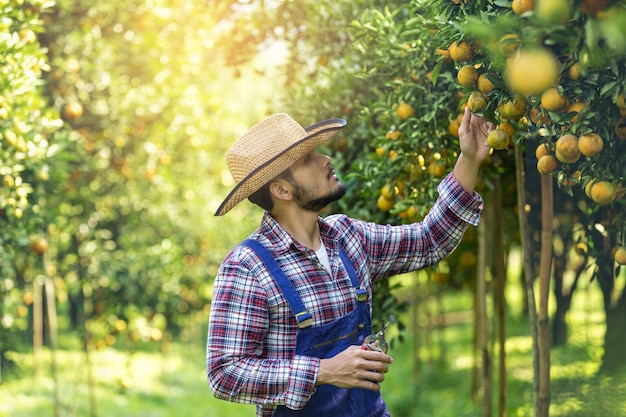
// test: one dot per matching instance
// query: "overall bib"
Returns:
(325, 341)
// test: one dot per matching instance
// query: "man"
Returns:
(290, 307)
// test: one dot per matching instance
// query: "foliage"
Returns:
(126, 210)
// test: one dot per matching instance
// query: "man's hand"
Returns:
(473, 134)
(354, 368)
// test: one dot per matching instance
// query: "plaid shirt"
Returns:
(252, 330)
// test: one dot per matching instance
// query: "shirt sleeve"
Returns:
(239, 368)
(391, 250)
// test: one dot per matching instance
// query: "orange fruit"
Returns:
(445, 55)
(532, 71)
(590, 144)
(522, 6)
(384, 204)
(436, 168)
(404, 110)
(453, 128)
(393, 134)
(380, 151)
(508, 44)
(72, 111)
(603, 192)
(573, 71)
(576, 107)
(461, 51)
(620, 255)
(513, 108)
(389, 191)
(553, 100)
(547, 164)
(537, 117)
(620, 128)
(508, 128)
(542, 149)
(476, 101)
(619, 101)
(553, 11)
(467, 76)
(498, 139)
(567, 149)
(588, 187)
(484, 84)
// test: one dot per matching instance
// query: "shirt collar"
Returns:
(282, 241)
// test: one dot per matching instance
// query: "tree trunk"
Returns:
(528, 270)
(498, 294)
(483, 330)
(545, 267)
(613, 359)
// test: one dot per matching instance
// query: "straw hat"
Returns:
(268, 149)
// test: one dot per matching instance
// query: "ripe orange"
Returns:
(537, 117)
(72, 111)
(389, 191)
(393, 134)
(577, 107)
(522, 6)
(39, 246)
(445, 55)
(513, 108)
(498, 139)
(436, 168)
(384, 204)
(567, 149)
(467, 76)
(547, 164)
(484, 84)
(404, 110)
(461, 51)
(532, 71)
(619, 101)
(590, 144)
(453, 128)
(603, 192)
(508, 128)
(476, 101)
(553, 11)
(508, 44)
(573, 71)
(620, 255)
(588, 187)
(542, 149)
(553, 100)
(380, 151)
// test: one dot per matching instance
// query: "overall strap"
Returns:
(303, 316)
(361, 293)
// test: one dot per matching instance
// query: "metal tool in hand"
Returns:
(376, 341)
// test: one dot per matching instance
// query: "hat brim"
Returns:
(317, 135)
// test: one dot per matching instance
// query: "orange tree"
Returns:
(557, 70)
(28, 143)
(107, 145)
(129, 233)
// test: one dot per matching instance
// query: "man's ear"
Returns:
(281, 190)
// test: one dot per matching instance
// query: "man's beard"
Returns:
(318, 204)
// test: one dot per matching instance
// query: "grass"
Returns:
(151, 384)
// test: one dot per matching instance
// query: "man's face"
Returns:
(315, 184)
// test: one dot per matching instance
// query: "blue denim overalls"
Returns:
(326, 341)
